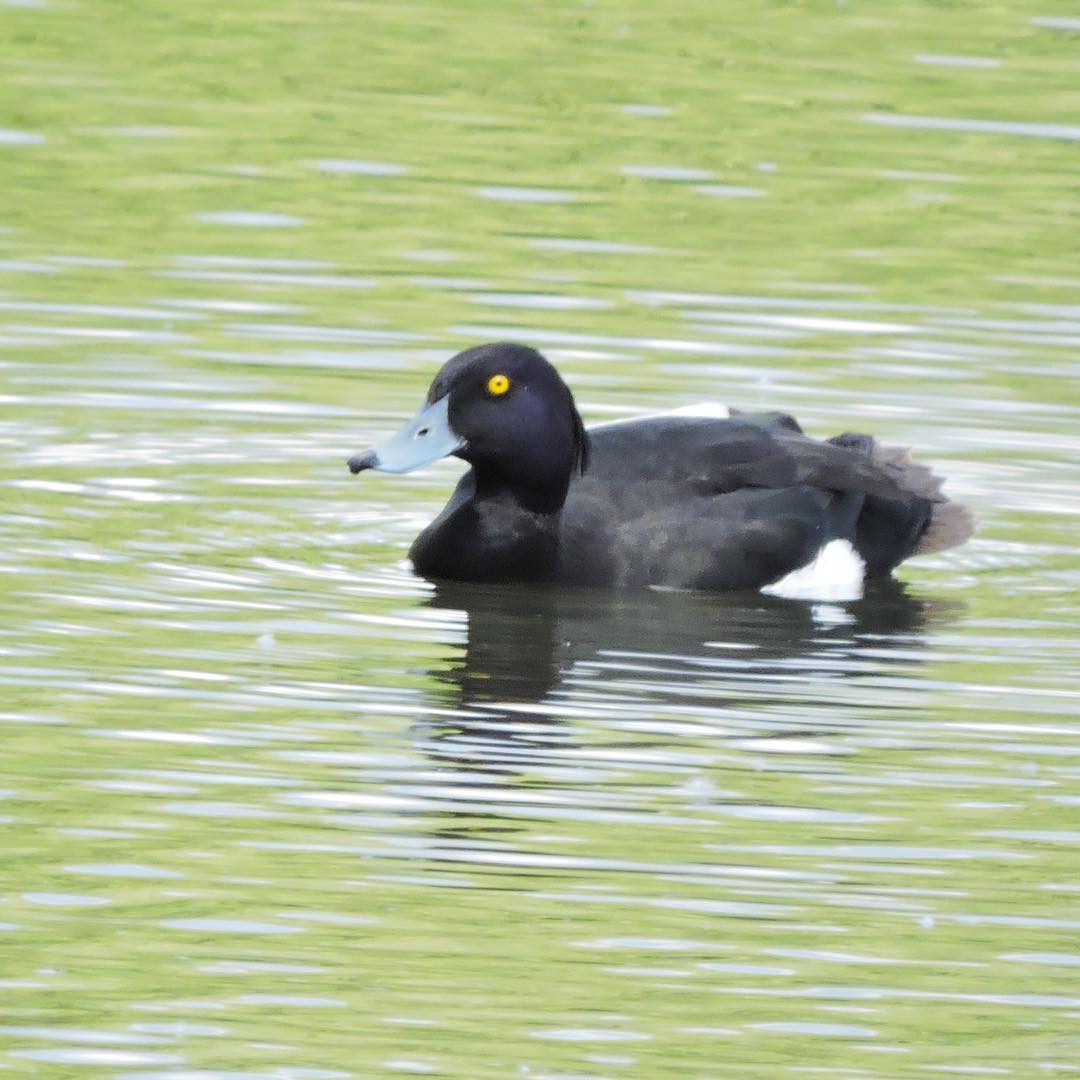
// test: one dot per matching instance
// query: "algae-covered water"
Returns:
(273, 808)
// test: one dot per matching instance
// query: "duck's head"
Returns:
(506, 411)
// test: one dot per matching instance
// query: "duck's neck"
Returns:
(542, 500)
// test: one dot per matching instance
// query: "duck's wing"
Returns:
(733, 503)
(660, 535)
(718, 456)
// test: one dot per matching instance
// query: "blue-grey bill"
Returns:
(424, 439)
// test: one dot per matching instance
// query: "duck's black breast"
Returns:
(488, 536)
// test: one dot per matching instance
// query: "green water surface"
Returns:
(273, 808)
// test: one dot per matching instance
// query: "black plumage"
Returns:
(676, 501)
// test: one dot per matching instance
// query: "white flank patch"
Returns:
(835, 573)
(703, 408)
(711, 409)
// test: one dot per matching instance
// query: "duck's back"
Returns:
(732, 503)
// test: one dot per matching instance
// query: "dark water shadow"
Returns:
(696, 651)
(557, 687)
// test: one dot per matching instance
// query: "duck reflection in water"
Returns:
(656, 660)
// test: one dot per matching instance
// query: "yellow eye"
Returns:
(497, 385)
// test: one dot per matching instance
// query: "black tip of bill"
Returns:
(359, 462)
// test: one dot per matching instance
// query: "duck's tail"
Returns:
(918, 520)
(950, 524)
